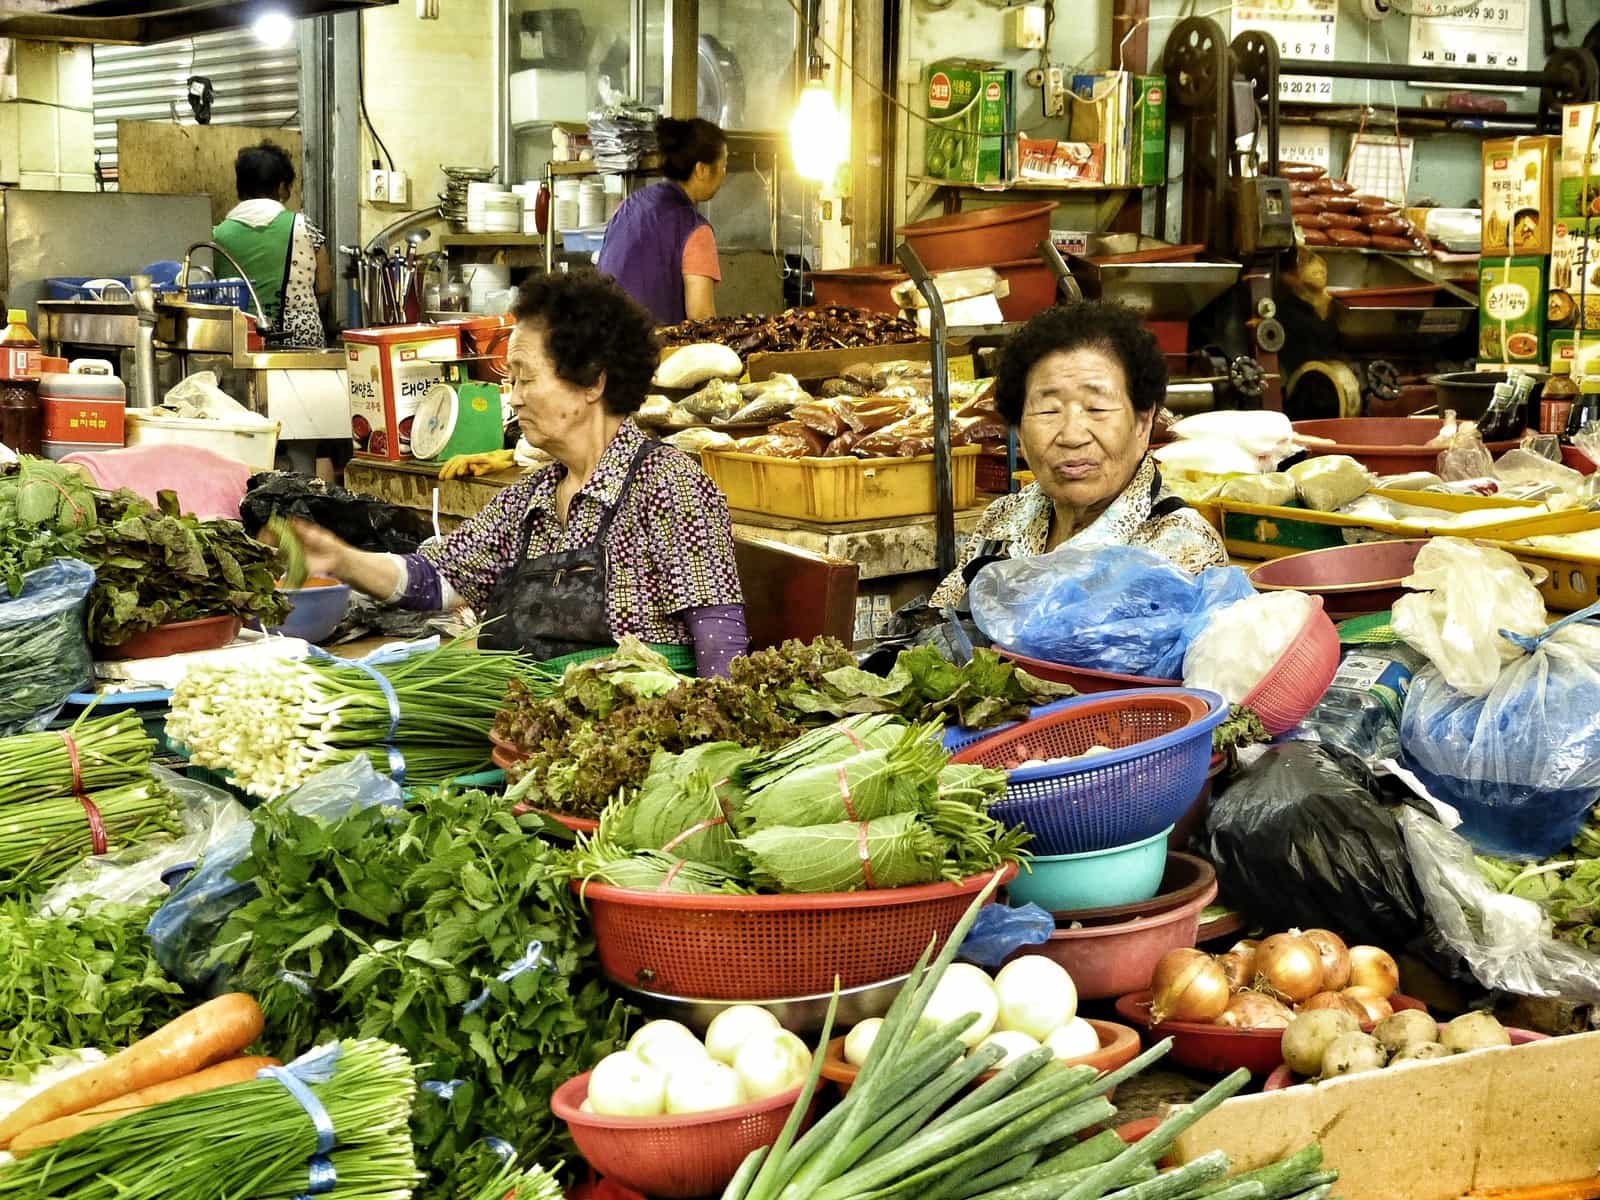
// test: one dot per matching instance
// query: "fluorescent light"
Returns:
(819, 136)
(273, 29)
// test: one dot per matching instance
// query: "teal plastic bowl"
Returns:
(1061, 883)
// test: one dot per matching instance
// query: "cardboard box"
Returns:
(1574, 284)
(970, 121)
(1511, 310)
(389, 370)
(1523, 1116)
(1100, 107)
(1147, 155)
(1569, 351)
(1518, 194)
(1578, 191)
(1050, 161)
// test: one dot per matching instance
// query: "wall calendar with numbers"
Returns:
(1470, 36)
(1303, 29)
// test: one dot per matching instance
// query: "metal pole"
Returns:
(1401, 73)
(945, 519)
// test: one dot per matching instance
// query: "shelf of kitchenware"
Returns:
(451, 240)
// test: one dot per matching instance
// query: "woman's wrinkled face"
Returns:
(549, 409)
(1079, 431)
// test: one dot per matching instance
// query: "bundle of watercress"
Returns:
(400, 926)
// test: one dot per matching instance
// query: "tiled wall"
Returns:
(47, 127)
(432, 92)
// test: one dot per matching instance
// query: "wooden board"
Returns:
(173, 160)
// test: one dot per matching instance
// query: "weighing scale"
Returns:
(458, 415)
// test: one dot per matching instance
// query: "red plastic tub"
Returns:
(1385, 445)
(1033, 288)
(1283, 1077)
(1353, 581)
(1082, 678)
(180, 637)
(1004, 234)
(1107, 960)
(869, 287)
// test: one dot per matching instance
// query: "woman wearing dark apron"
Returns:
(623, 536)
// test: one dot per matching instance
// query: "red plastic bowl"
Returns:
(1300, 677)
(1283, 1076)
(1386, 445)
(1216, 1048)
(982, 237)
(1082, 678)
(180, 637)
(677, 1157)
(1107, 960)
(1353, 581)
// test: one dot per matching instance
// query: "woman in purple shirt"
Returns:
(622, 536)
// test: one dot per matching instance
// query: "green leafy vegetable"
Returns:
(1567, 886)
(1241, 727)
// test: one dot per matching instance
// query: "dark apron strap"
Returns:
(1166, 507)
(608, 514)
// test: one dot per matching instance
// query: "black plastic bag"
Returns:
(365, 523)
(1307, 837)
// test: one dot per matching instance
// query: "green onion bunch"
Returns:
(249, 1141)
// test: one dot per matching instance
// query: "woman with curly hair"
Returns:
(1080, 384)
(621, 536)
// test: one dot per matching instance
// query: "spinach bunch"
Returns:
(399, 926)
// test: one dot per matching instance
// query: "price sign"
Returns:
(1470, 37)
(1302, 29)
(1306, 144)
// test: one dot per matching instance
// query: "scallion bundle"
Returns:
(275, 723)
(112, 752)
(249, 1141)
(39, 839)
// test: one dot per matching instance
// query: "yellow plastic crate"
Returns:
(839, 489)
(1571, 581)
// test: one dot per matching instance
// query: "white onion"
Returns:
(733, 1027)
(1013, 1043)
(965, 989)
(858, 1044)
(1076, 1039)
(652, 1031)
(1037, 996)
(703, 1087)
(624, 1085)
(772, 1063)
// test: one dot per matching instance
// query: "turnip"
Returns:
(1308, 1036)
(1474, 1031)
(1406, 1028)
(703, 1087)
(772, 1063)
(733, 1027)
(1037, 996)
(1351, 1054)
(1076, 1039)
(965, 989)
(624, 1085)
(859, 1042)
(1014, 1044)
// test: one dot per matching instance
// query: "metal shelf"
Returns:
(1024, 185)
(649, 166)
(491, 239)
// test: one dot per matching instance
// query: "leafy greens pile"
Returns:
(153, 565)
(448, 929)
(1567, 886)
(78, 979)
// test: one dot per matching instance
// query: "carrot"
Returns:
(202, 1036)
(235, 1070)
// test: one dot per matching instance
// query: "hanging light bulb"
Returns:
(819, 136)
(273, 29)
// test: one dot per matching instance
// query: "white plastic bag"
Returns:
(1267, 436)
(1276, 489)
(1243, 641)
(197, 397)
(1329, 482)
(1468, 593)
(694, 365)
(1208, 456)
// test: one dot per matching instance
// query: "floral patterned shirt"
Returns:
(1020, 523)
(670, 548)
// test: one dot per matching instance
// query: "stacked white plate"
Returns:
(479, 197)
(502, 213)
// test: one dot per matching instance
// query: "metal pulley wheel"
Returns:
(1270, 336)
(1247, 378)
(1381, 380)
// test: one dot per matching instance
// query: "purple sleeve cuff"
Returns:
(719, 636)
(423, 593)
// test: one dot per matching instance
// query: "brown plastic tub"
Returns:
(1004, 234)
(869, 287)
(1385, 445)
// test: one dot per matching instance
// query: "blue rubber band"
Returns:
(532, 957)
(445, 1089)
(299, 982)
(506, 1151)
(397, 761)
(315, 1066)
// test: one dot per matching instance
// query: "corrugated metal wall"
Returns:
(254, 85)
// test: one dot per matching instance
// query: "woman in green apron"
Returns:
(622, 536)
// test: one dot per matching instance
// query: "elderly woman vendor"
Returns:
(1080, 384)
(620, 536)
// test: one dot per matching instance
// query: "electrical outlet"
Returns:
(377, 186)
(1025, 27)
(399, 188)
(1055, 92)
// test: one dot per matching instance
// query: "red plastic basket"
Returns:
(1082, 678)
(1298, 680)
(769, 947)
(1160, 740)
(694, 1155)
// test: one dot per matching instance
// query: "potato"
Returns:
(1420, 1052)
(1474, 1031)
(1405, 1029)
(1306, 1040)
(1351, 1054)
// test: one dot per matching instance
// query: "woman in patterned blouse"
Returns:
(581, 358)
(1080, 384)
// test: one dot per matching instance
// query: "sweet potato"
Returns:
(1349, 237)
(1341, 221)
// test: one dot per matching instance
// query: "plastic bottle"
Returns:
(21, 413)
(1360, 711)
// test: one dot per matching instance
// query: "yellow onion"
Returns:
(1255, 1010)
(1248, 948)
(1188, 985)
(1377, 1007)
(1338, 1002)
(1239, 968)
(1375, 970)
(1335, 958)
(1290, 966)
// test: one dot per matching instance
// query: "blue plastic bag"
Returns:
(44, 649)
(1108, 608)
(1521, 764)
(999, 932)
(181, 930)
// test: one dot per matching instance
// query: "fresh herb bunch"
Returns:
(1566, 886)
(793, 664)
(84, 978)
(1241, 727)
(393, 925)
(44, 509)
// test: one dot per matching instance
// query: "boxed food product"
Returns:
(1518, 192)
(1147, 156)
(969, 112)
(1511, 310)
(1060, 162)
(1578, 193)
(1572, 352)
(1574, 300)
(389, 370)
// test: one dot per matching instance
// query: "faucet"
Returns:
(260, 314)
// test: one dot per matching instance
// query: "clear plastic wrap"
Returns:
(824, 416)
(775, 446)
(1506, 940)
(181, 930)
(1243, 641)
(44, 649)
(1107, 608)
(1466, 457)
(694, 441)
(1329, 482)
(1274, 489)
